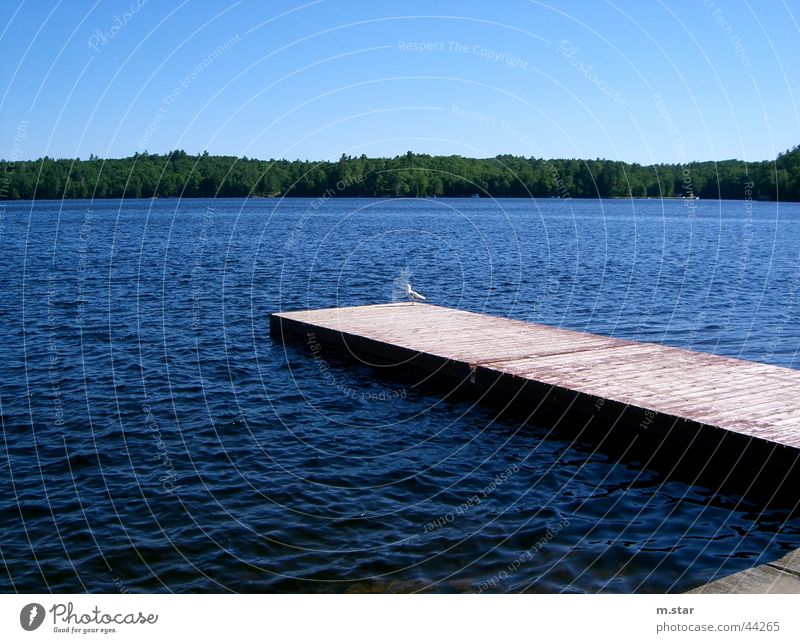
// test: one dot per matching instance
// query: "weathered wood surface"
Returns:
(750, 399)
(779, 577)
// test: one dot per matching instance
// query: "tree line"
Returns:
(178, 174)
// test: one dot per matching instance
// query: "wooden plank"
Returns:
(736, 396)
(779, 577)
(790, 562)
(763, 579)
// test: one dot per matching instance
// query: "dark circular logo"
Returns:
(31, 616)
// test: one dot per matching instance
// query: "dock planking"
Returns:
(778, 577)
(699, 399)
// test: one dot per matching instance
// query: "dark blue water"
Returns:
(156, 439)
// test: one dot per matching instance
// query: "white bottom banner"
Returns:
(398, 617)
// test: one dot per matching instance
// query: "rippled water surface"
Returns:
(156, 439)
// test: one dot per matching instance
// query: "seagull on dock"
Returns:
(413, 295)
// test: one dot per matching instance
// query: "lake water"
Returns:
(156, 439)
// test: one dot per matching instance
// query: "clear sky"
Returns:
(633, 80)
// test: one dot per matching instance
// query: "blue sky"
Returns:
(630, 80)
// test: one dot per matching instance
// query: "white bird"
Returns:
(412, 295)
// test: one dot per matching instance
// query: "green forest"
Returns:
(178, 174)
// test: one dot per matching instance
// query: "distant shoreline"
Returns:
(180, 175)
(398, 198)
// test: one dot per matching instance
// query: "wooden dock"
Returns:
(778, 577)
(746, 411)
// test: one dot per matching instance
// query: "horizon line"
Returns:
(92, 157)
